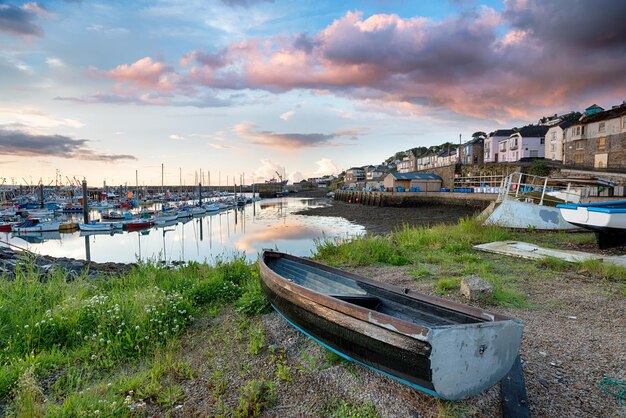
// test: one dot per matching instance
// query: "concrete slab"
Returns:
(532, 251)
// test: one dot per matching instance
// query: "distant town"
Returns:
(587, 142)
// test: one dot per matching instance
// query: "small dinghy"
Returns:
(606, 219)
(99, 226)
(443, 348)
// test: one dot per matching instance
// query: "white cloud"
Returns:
(287, 115)
(220, 146)
(177, 137)
(267, 171)
(295, 177)
(325, 167)
(35, 118)
(55, 63)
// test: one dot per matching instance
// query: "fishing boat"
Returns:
(38, 213)
(161, 219)
(36, 225)
(211, 207)
(115, 216)
(92, 233)
(606, 219)
(99, 226)
(197, 210)
(184, 213)
(443, 348)
(7, 226)
(137, 224)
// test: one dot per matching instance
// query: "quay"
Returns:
(410, 199)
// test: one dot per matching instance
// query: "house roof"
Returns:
(474, 141)
(533, 130)
(411, 176)
(501, 132)
(613, 113)
(567, 123)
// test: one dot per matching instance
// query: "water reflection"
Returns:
(247, 230)
(36, 237)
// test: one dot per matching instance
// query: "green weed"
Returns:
(256, 396)
(257, 340)
(340, 408)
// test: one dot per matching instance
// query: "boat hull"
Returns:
(448, 361)
(606, 219)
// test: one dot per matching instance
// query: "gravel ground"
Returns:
(575, 333)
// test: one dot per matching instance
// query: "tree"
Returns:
(479, 135)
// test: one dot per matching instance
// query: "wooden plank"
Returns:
(513, 393)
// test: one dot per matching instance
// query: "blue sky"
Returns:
(101, 89)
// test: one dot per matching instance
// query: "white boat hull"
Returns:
(42, 227)
(585, 216)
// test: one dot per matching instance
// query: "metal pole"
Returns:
(41, 196)
(519, 183)
(200, 194)
(85, 203)
(543, 192)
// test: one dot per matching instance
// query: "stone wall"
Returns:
(582, 153)
(407, 199)
(446, 173)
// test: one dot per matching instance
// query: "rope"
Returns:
(614, 387)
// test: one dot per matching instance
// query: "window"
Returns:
(553, 136)
(542, 141)
(578, 158)
(601, 126)
(503, 146)
(553, 148)
(624, 122)
(534, 153)
(601, 144)
(580, 145)
(577, 131)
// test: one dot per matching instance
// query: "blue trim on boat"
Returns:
(339, 353)
(606, 210)
(614, 204)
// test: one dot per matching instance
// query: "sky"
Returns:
(112, 90)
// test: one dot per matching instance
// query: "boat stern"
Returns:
(467, 360)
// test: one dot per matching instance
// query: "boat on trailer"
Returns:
(443, 348)
(606, 219)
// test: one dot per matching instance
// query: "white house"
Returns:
(491, 144)
(555, 137)
(526, 142)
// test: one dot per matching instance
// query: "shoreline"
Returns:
(380, 220)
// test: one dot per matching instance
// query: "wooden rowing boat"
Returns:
(444, 348)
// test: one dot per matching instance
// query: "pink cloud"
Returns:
(145, 73)
(531, 58)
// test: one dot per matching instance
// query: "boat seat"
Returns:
(365, 301)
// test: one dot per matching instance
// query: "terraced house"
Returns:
(492, 153)
(525, 142)
(597, 140)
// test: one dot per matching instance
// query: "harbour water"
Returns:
(245, 231)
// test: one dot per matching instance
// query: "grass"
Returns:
(339, 408)
(73, 335)
(444, 251)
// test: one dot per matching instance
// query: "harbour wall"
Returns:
(409, 199)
